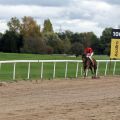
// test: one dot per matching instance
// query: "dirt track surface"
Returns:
(81, 99)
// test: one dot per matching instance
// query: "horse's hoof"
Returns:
(95, 77)
(98, 77)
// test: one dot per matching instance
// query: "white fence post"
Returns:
(42, 70)
(66, 69)
(77, 69)
(14, 71)
(54, 70)
(0, 65)
(106, 68)
(114, 68)
(28, 71)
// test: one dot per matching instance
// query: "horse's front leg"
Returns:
(95, 72)
(92, 72)
(85, 73)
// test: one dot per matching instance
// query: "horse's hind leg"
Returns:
(85, 73)
(93, 72)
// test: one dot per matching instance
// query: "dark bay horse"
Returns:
(88, 64)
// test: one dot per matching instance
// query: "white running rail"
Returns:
(54, 68)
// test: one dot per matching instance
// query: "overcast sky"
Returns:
(74, 15)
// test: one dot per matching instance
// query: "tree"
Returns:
(11, 42)
(55, 42)
(77, 48)
(75, 38)
(93, 42)
(87, 39)
(29, 27)
(66, 42)
(47, 26)
(1, 35)
(14, 25)
(105, 41)
(33, 40)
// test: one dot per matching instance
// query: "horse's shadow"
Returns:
(88, 64)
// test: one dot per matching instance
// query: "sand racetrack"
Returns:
(81, 99)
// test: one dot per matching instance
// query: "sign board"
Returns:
(115, 44)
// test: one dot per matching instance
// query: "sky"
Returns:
(74, 15)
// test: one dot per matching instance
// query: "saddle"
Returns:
(92, 61)
(87, 58)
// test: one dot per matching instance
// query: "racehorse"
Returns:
(88, 64)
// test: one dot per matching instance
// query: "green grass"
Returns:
(6, 71)
(19, 56)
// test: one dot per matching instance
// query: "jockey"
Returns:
(89, 53)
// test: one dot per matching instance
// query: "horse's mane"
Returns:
(84, 56)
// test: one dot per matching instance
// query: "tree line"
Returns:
(26, 36)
